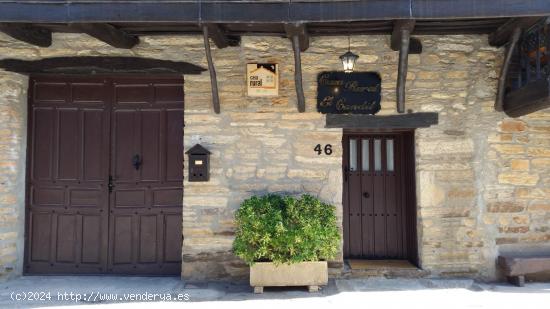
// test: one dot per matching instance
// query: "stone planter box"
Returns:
(310, 274)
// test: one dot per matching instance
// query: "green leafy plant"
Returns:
(285, 229)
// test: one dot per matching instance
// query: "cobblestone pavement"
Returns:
(155, 292)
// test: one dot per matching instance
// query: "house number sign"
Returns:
(348, 93)
(327, 149)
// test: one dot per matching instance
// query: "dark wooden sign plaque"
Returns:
(348, 93)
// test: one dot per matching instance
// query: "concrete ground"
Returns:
(155, 292)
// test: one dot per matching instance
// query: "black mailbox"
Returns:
(199, 169)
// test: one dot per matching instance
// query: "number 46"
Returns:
(327, 150)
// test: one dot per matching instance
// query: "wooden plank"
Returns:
(212, 70)
(258, 12)
(89, 65)
(523, 265)
(219, 37)
(504, 71)
(300, 31)
(108, 34)
(528, 99)
(27, 33)
(404, 121)
(503, 33)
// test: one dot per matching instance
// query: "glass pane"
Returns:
(353, 155)
(389, 154)
(377, 155)
(365, 154)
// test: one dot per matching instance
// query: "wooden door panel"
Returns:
(92, 234)
(82, 131)
(376, 194)
(124, 145)
(43, 134)
(68, 175)
(150, 145)
(172, 229)
(149, 128)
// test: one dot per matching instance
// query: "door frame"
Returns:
(29, 141)
(408, 195)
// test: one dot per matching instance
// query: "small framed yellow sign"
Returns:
(262, 79)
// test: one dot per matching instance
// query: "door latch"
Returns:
(110, 185)
(136, 161)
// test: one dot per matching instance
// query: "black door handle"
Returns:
(366, 195)
(136, 161)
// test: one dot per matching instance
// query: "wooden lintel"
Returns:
(212, 70)
(108, 34)
(219, 37)
(504, 71)
(415, 46)
(528, 99)
(502, 35)
(298, 74)
(300, 31)
(405, 121)
(28, 33)
(99, 65)
(402, 69)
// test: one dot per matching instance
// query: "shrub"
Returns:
(285, 229)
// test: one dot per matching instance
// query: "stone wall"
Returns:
(482, 179)
(13, 142)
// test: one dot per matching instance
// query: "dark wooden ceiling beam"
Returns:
(219, 37)
(297, 33)
(415, 46)
(94, 65)
(503, 33)
(263, 11)
(499, 103)
(108, 34)
(530, 98)
(401, 40)
(212, 70)
(28, 33)
(300, 31)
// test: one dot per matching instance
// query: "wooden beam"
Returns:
(402, 70)
(503, 33)
(405, 121)
(528, 99)
(415, 46)
(212, 70)
(94, 65)
(300, 31)
(504, 71)
(298, 74)
(231, 11)
(219, 37)
(108, 34)
(28, 33)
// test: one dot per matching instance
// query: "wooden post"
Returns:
(298, 74)
(212, 70)
(402, 70)
(499, 103)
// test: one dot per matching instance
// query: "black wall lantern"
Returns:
(199, 165)
(348, 59)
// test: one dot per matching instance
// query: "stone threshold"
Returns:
(381, 268)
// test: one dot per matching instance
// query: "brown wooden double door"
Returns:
(104, 175)
(379, 212)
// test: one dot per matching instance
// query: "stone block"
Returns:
(520, 179)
